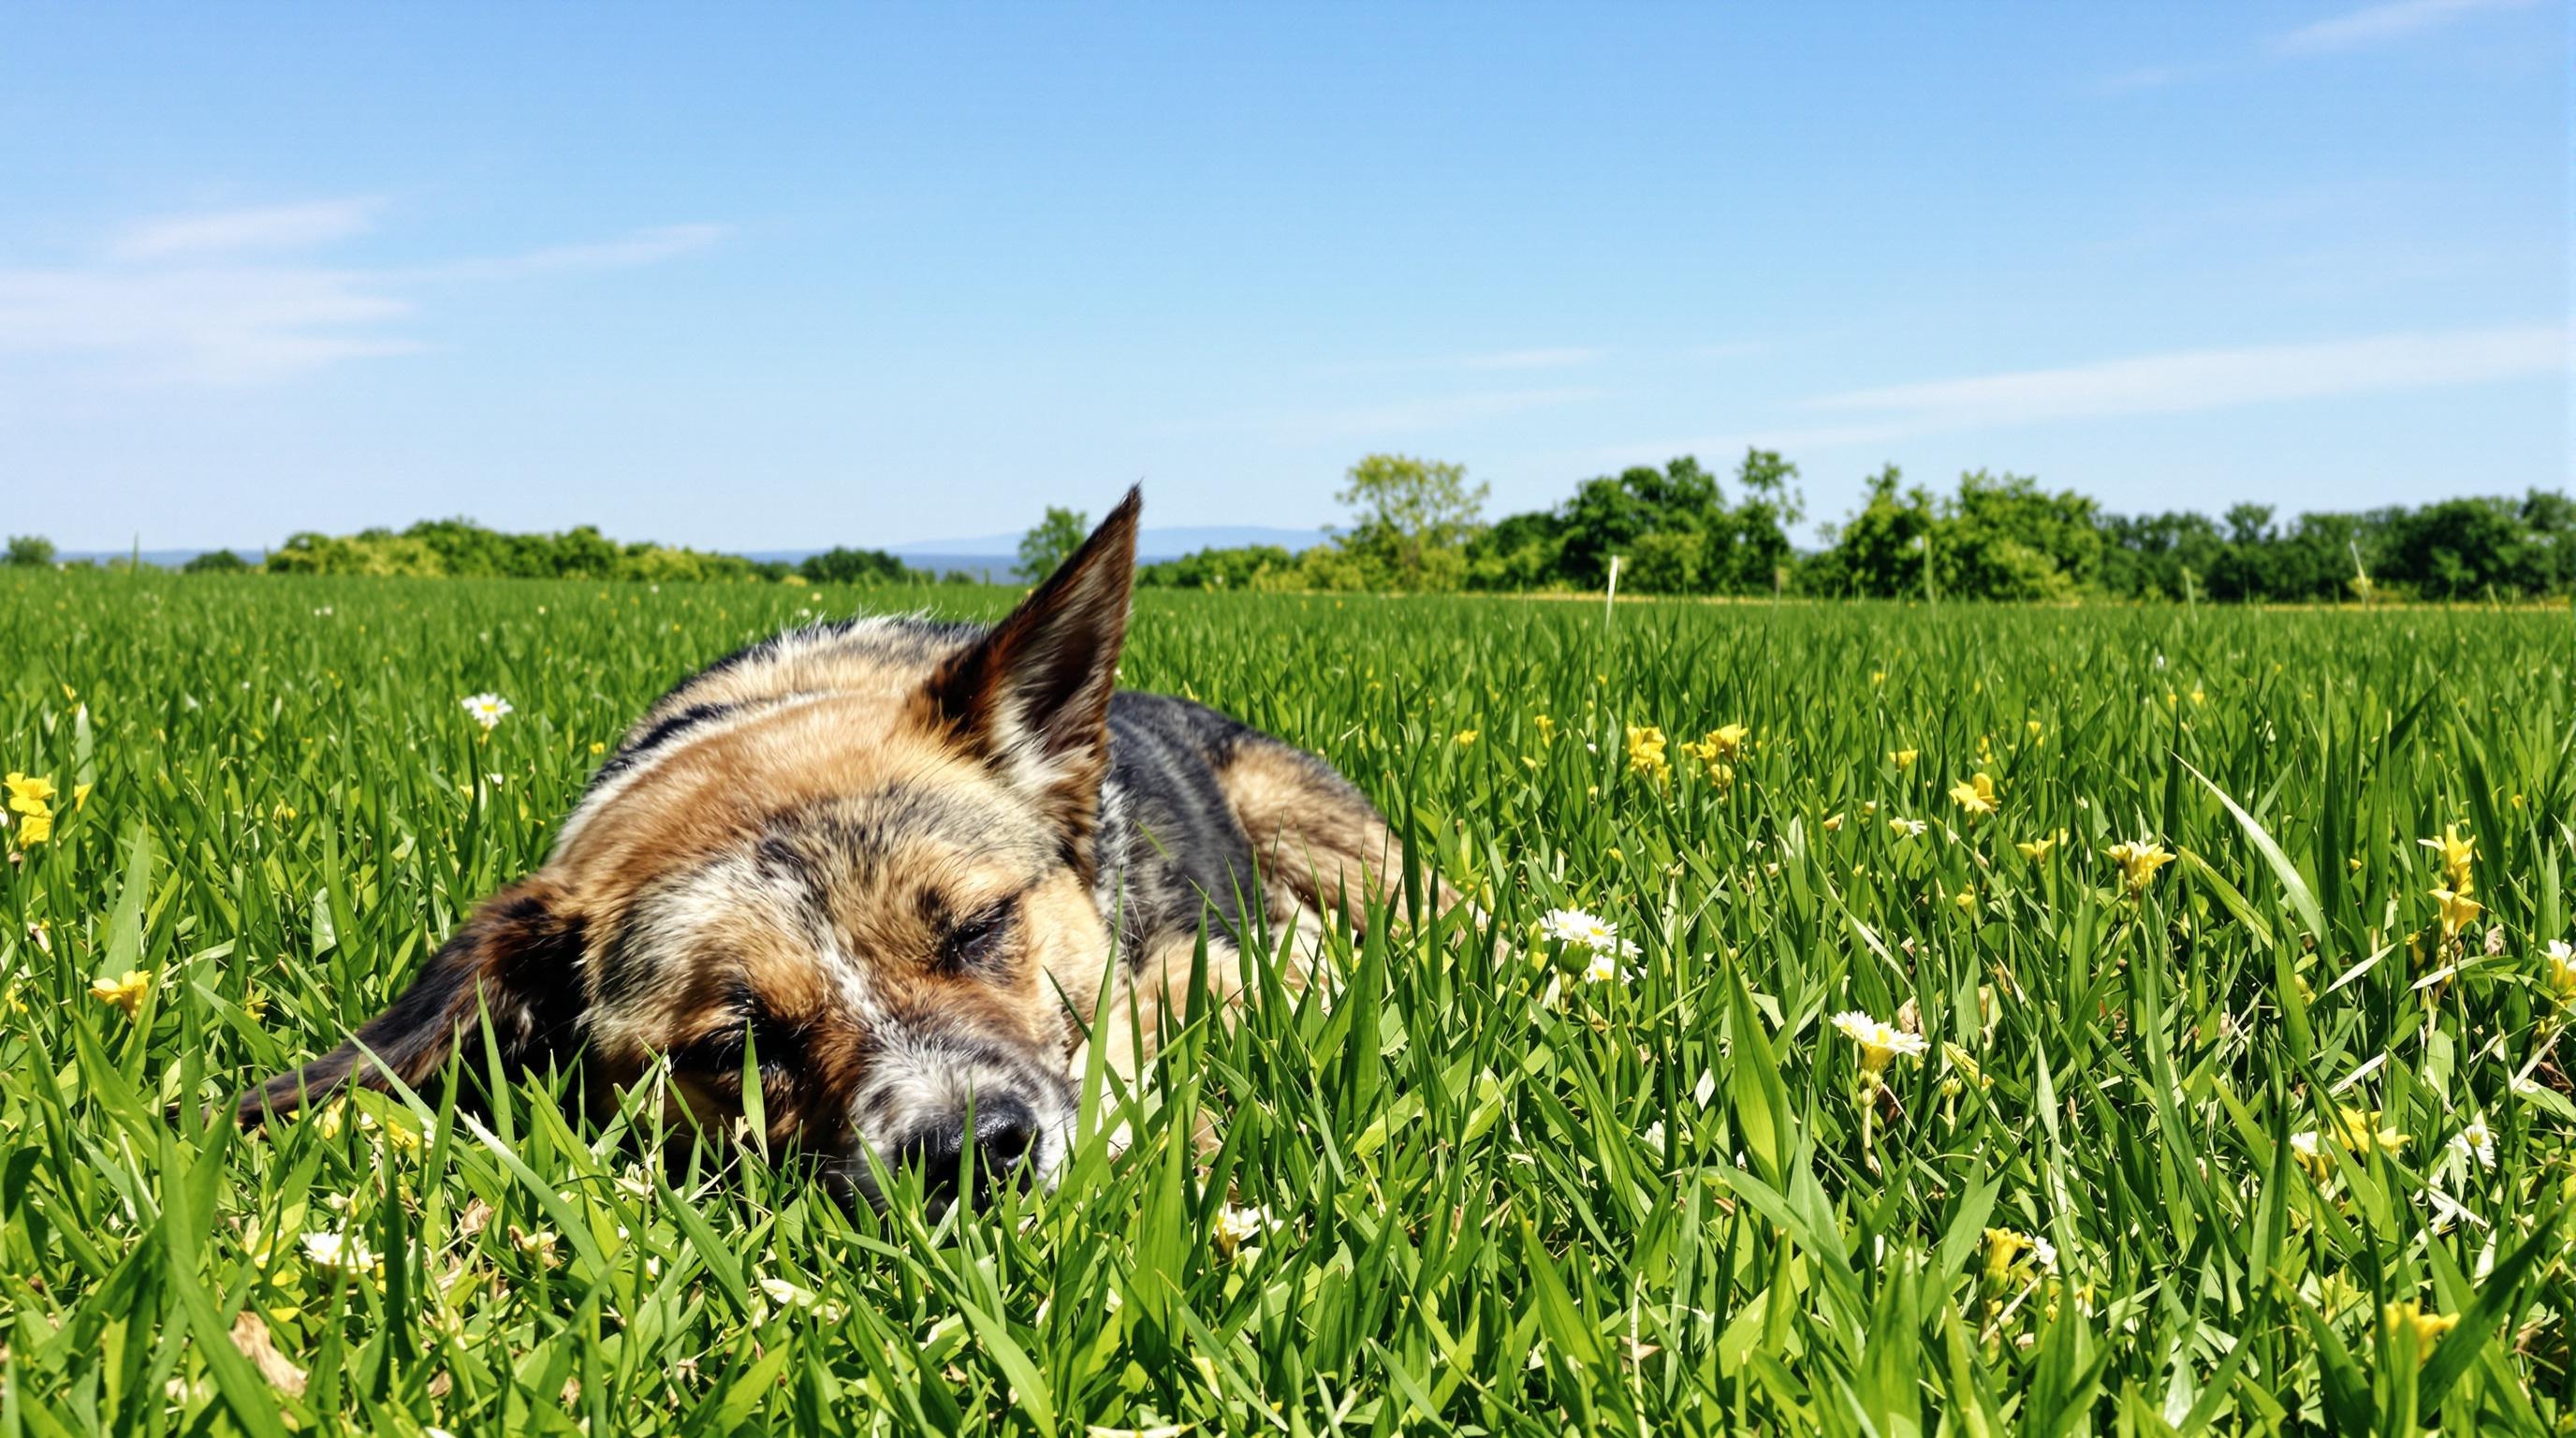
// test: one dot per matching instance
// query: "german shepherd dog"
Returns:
(890, 861)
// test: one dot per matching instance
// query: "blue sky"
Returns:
(770, 277)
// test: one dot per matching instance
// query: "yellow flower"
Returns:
(1646, 752)
(2304, 1147)
(1832, 823)
(80, 796)
(1977, 796)
(125, 993)
(2004, 1251)
(29, 795)
(1967, 901)
(35, 828)
(2361, 1129)
(1960, 1061)
(2561, 958)
(1713, 750)
(598, 747)
(2138, 862)
(2428, 1328)
(2458, 911)
(1878, 676)
(1878, 1042)
(1465, 737)
(2033, 726)
(2457, 855)
(2037, 850)
(1903, 758)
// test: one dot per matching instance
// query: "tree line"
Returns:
(1417, 525)
(462, 549)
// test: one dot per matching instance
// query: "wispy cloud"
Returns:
(2375, 24)
(2369, 25)
(235, 297)
(220, 325)
(2194, 380)
(232, 232)
(2179, 382)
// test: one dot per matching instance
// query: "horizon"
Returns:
(709, 286)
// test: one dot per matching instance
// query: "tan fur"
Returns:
(1318, 849)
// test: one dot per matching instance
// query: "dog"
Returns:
(886, 865)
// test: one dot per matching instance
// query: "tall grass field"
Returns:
(1890, 1021)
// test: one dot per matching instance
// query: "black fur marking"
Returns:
(661, 733)
(517, 959)
(1180, 853)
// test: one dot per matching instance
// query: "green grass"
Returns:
(1506, 1199)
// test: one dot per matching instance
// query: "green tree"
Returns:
(1249, 566)
(1411, 521)
(1051, 542)
(839, 565)
(29, 551)
(1751, 548)
(215, 561)
(1519, 551)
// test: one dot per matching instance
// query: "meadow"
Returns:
(2038, 1020)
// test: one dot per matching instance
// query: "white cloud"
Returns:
(2193, 380)
(2372, 24)
(224, 232)
(198, 323)
(191, 299)
(2175, 383)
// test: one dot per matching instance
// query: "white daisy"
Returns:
(487, 709)
(339, 1250)
(1237, 1228)
(2477, 1141)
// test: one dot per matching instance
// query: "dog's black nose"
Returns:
(1004, 1149)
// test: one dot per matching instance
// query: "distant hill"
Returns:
(1151, 544)
(995, 557)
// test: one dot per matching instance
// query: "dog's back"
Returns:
(1200, 813)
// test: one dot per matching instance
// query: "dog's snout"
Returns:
(1003, 1145)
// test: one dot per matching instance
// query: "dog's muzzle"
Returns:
(971, 1117)
(1001, 1150)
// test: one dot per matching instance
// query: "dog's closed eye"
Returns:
(977, 942)
(750, 1027)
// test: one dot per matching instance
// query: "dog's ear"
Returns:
(1031, 698)
(518, 959)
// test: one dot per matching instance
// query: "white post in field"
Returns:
(1613, 596)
